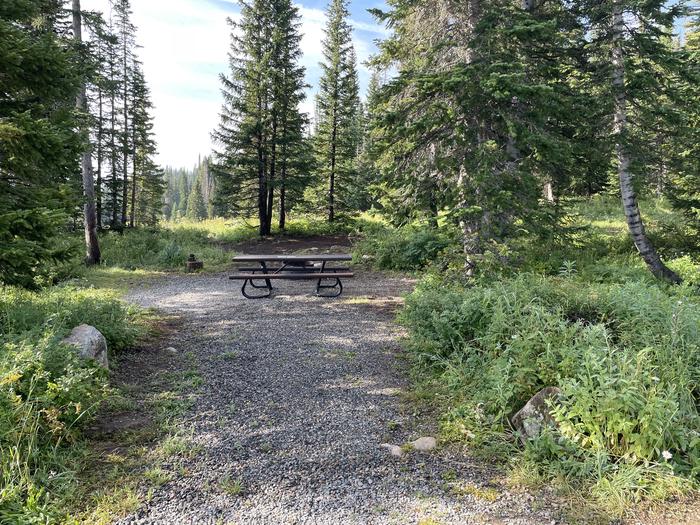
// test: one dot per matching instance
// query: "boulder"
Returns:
(90, 343)
(535, 415)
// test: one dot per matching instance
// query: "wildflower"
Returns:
(666, 455)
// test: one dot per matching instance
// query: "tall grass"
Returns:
(626, 356)
(47, 393)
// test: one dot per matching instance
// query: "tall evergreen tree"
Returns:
(147, 179)
(196, 205)
(125, 32)
(39, 149)
(260, 121)
(472, 121)
(336, 139)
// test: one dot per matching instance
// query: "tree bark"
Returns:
(470, 229)
(125, 152)
(629, 197)
(92, 246)
(132, 217)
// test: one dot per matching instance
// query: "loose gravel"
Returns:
(299, 394)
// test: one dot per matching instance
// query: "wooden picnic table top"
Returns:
(294, 258)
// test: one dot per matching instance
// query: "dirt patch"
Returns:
(285, 245)
(122, 422)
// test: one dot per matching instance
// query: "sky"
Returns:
(184, 46)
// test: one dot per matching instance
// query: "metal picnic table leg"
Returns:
(338, 284)
(268, 285)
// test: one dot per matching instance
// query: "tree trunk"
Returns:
(470, 229)
(331, 188)
(98, 189)
(92, 247)
(132, 218)
(283, 189)
(629, 197)
(125, 153)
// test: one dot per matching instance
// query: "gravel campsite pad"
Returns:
(298, 395)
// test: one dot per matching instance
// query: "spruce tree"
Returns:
(39, 149)
(472, 121)
(260, 132)
(336, 139)
(147, 179)
(196, 205)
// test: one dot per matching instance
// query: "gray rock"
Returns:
(424, 444)
(535, 415)
(90, 343)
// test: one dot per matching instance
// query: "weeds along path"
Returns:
(298, 393)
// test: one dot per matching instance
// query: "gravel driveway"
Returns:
(299, 392)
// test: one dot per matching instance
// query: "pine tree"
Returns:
(39, 149)
(260, 131)
(336, 139)
(147, 180)
(196, 205)
(683, 189)
(472, 121)
(125, 32)
(183, 195)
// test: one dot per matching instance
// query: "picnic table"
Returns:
(292, 267)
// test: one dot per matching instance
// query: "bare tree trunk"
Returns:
(629, 197)
(125, 153)
(92, 247)
(469, 228)
(132, 217)
(331, 187)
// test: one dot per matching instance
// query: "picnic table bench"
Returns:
(292, 267)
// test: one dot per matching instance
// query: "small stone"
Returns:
(424, 444)
(90, 343)
(171, 350)
(394, 450)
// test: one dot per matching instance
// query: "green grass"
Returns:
(47, 394)
(144, 251)
(232, 486)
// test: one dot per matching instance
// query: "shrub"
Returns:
(46, 392)
(403, 248)
(627, 357)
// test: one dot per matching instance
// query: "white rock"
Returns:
(171, 350)
(90, 342)
(424, 444)
(394, 450)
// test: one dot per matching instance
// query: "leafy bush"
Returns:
(626, 356)
(46, 392)
(404, 248)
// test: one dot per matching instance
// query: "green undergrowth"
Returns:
(139, 458)
(211, 241)
(47, 394)
(626, 356)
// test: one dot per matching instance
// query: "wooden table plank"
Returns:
(293, 258)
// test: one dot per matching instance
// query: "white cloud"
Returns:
(184, 46)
